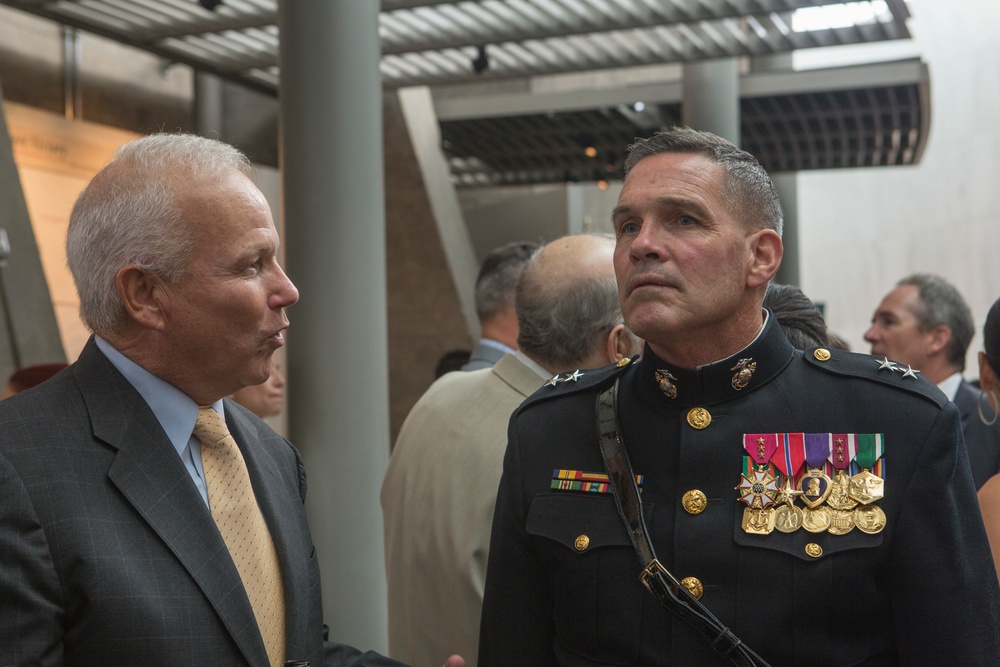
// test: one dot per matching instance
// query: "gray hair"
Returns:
(747, 190)
(563, 327)
(498, 276)
(131, 213)
(940, 303)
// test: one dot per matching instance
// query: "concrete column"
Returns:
(711, 97)
(787, 185)
(209, 107)
(333, 201)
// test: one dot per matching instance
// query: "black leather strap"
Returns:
(655, 577)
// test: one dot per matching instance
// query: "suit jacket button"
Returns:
(581, 543)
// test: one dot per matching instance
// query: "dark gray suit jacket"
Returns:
(982, 441)
(108, 554)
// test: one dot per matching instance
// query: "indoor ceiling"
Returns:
(446, 44)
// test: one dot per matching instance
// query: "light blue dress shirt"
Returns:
(175, 411)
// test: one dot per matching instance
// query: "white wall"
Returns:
(863, 229)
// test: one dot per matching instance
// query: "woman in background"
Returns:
(989, 380)
(265, 399)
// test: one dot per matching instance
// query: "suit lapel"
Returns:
(965, 400)
(153, 479)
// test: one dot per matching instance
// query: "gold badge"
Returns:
(744, 371)
(869, 519)
(581, 543)
(788, 518)
(693, 587)
(667, 381)
(694, 501)
(758, 522)
(816, 520)
(841, 522)
(814, 550)
(699, 418)
(822, 354)
(624, 361)
(866, 487)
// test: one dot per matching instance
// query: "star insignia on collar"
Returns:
(885, 363)
(574, 376)
(553, 381)
(910, 372)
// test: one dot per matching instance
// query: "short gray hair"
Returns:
(563, 327)
(747, 191)
(498, 275)
(131, 213)
(940, 303)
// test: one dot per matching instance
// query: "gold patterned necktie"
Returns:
(234, 508)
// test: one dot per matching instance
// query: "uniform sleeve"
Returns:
(30, 612)
(945, 596)
(516, 626)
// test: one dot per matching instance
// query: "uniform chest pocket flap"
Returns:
(580, 522)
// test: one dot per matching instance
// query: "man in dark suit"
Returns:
(817, 503)
(111, 548)
(925, 323)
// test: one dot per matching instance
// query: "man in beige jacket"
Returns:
(440, 487)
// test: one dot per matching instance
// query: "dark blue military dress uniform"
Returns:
(917, 586)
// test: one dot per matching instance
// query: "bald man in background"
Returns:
(440, 487)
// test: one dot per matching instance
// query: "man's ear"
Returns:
(938, 339)
(765, 250)
(142, 296)
(620, 343)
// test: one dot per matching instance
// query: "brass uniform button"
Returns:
(814, 550)
(581, 543)
(822, 354)
(693, 587)
(694, 502)
(699, 418)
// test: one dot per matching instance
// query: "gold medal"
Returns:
(841, 522)
(758, 522)
(788, 518)
(869, 518)
(816, 520)
(840, 495)
(815, 487)
(866, 488)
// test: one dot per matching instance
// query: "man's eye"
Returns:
(685, 220)
(628, 228)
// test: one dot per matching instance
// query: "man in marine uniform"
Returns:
(727, 426)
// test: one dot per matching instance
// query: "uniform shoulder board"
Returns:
(581, 380)
(881, 370)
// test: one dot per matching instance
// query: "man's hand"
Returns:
(454, 661)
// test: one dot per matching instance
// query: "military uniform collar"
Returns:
(752, 367)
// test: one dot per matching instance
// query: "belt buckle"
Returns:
(652, 570)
